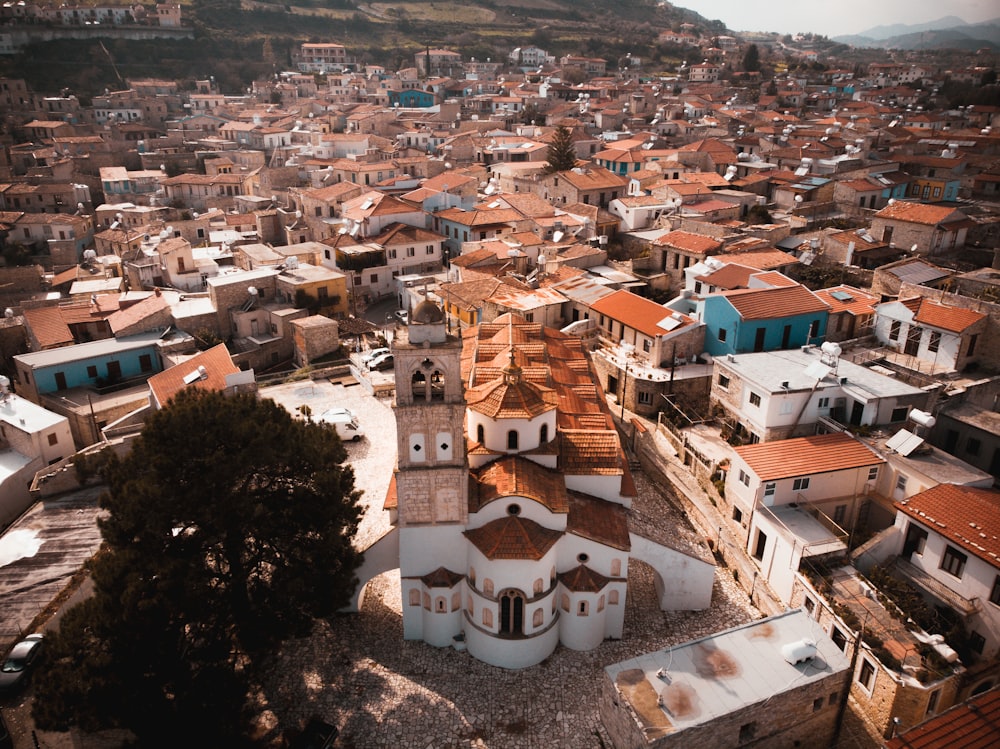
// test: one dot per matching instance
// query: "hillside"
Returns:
(945, 33)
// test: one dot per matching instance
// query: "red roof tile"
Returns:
(806, 456)
(766, 304)
(973, 724)
(965, 515)
(513, 537)
(954, 319)
(217, 364)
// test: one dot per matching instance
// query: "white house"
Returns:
(511, 495)
(945, 337)
(773, 395)
(798, 498)
(31, 438)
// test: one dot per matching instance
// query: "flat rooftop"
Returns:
(701, 680)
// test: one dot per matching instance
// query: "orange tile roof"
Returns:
(513, 537)
(918, 213)
(510, 397)
(48, 327)
(805, 456)
(636, 312)
(860, 302)
(765, 259)
(765, 304)
(965, 515)
(972, 724)
(774, 279)
(582, 579)
(217, 363)
(590, 452)
(148, 307)
(729, 276)
(598, 520)
(689, 242)
(954, 319)
(513, 476)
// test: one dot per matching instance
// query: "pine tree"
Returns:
(561, 154)
(228, 531)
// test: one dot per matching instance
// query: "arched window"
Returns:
(469, 607)
(612, 597)
(582, 608)
(487, 586)
(512, 612)
(440, 605)
(427, 601)
(456, 601)
(418, 386)
(538, 618)
(488, 618)
(543, 435)
(538, 587)
(480, 434)
(600, 603)
(565, 602)
(472, 575)
(512, 439)
(437, 385)
(552, 575)
(616, 567)
(414, 597)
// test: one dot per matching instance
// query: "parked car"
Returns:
(403, 316)
(383, 362)
(345, 422)
(16, 668)
(374, 353)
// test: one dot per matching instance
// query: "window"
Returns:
(976, 642)
(145, 363)
(839, 513)
(53, 438)
(995, 593)
(755, 399)
(645, 398)
(770, 488)
(809, 604)
(722, 335)
(747, 732)
(932, 702)
(91, 371)
(512, 439)
(873, 473)
(823, 403)
(839, 639)
(953, 561)
(744, 478)
(760, 547)
(899, 414)
(866, 677)
(972, 446)
(800, 484)
(647, 345)
(934, 342)
(901, 483)
(430, 249)
(738, 517)
(723, 381)
(894, 330)
(818, 704)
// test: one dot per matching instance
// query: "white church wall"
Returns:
(603, 487)
(581, 623)
(527, 508)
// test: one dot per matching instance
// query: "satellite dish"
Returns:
(798, 198)
(913, 248)
(8, 313)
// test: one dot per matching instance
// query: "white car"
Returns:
(375, 353)
(403, 316)
(345, 422)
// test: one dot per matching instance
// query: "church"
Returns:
(511, 493)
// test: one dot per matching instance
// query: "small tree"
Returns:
(751, 59)
(561, 154)
(228, 531)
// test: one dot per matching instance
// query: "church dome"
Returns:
(427, 312)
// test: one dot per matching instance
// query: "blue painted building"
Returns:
(412, 98)
(764, 319)
(96, 365)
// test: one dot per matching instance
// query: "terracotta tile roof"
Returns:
(637, 312)
(582, 579)
(513, 537)
(972, 724)
(598, 520)
(766, 304)
(391, 501)
(593, 178)
(217, 363)
(510, 396)
(774, 279)
(442, 578)
(84, 312)
(763, 259)
(48, 327)
(148, 307)
(729, 276)
(689, 242)
(513, 476)
(806, 456)
(918, 213)
(858, 303)
(965, 515)
(954, 319)
(588, 452)
(480, 218)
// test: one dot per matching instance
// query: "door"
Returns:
(786, 336)
(857, 411)
(913, 340)
(511, 612)
(114, 371)
(915, 538)
(60, 381)
(758, 341)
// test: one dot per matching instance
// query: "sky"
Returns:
(835, 18)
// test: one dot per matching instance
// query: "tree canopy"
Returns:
(561, 154)
(229, 530)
